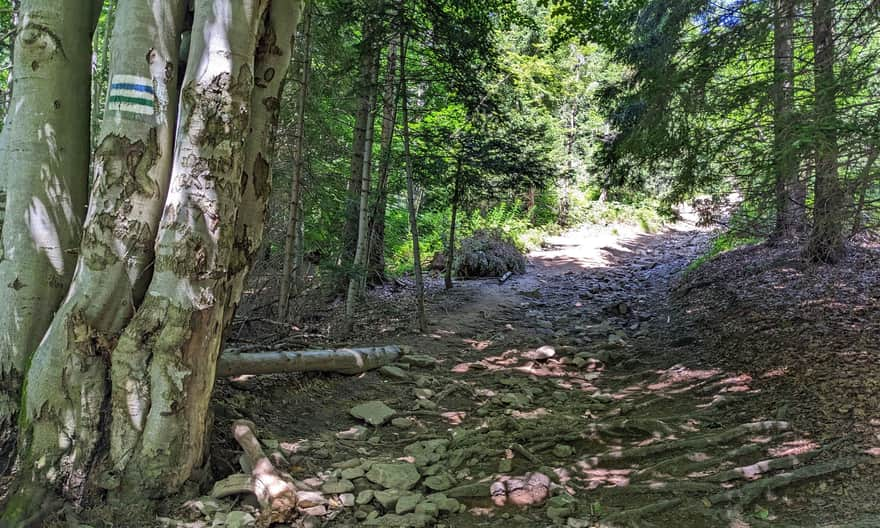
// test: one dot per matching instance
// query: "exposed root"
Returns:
(274, 490)
(638, 513)
(750, 492)
(684, 465)
(528, 455)
(629, 426)
(700, 442)
(757, 469)
(675, 487)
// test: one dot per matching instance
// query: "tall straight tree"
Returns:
(359, 264)
(365, 92)
(410, 191)
(45, 202)
(376, 247)
(826, 242)
(790, 193)
(292, 273)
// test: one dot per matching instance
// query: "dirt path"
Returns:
(562, 397)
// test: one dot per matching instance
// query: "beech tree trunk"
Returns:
(45, 202)
(158, 314)
(789, 211)
(376, 247)
(274, 51)
(410, 192)
(291, 276)
(826, 242)
(164, 365)
(66, 396)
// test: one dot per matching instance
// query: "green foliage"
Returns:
(488, 253)
(721, 244)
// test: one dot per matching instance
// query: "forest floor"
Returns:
(603, 387)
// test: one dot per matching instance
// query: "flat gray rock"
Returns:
(373, 412)
(401, 476)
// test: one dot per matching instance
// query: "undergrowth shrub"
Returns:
(488, 253)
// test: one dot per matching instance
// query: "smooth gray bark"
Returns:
(272, 61)
(342, 360)
(359, 264)
(164, 365)
(45, 159)
(66, 396)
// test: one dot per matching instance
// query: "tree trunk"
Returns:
(864, 183)
(376, 247)
(410, 193)
(291, 274)
(66, 396)
(450, 251)
(789, 213)
(570, 140)
(360, 256)
(164, 365)
(364, 91)
(272, 61)
(45, 159)
(826, 242)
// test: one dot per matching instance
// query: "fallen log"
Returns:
(341, 360)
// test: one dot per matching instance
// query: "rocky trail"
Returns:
(575, 395)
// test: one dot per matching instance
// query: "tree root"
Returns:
(637, 513)
(675, 487)
(749, 492)
(683, 465)
(758, 468)
(274, 490)
(628, 426)
(700, 442)
(871, 521)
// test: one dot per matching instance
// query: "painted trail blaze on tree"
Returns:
(138, 335)
(132, 94)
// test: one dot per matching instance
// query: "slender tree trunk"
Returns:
(299, 242)
(291, 273)
(456, 198)
(364, 90)
(360, 255)
(272, 61)
(45, 159)
(570, 139)
(376, 247)
(789, 213)
(410, 192)
(864, 183)
(826, 242)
